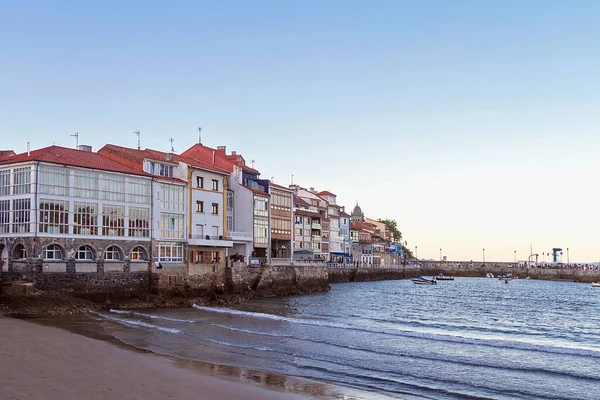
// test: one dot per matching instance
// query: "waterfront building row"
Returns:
(199, 209)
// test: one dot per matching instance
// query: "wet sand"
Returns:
(41, 362)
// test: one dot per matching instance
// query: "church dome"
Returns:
(357, 211)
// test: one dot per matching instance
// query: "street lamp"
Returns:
(515, 258)
(416, 253)
(440, 256)
(568, 259)
(483, 255)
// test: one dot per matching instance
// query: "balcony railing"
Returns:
(315, 226)
(208, 237)
(245, 236)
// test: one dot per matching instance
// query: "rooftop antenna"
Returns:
(292, 179)
(199, 135)
(76, 136)
(171, 140)
(272, 179)
(137, 133)
(252, 164)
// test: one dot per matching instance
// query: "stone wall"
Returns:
(340, 275)
(67, 275)
(277, 280)
(481, 270)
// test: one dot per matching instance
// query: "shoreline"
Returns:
(68, 364)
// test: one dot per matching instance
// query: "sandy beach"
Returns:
(40, 362)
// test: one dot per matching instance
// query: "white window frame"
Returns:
(52, 252)
(112, 253)
(84, 253)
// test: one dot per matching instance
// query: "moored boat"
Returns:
(490, 275)
(442, 277)
(595, 284)
(424, 281)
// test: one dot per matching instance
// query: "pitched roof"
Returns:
(73, 157)
(217, 157)
(136, 158)
(309, 213)
(280, 187)
(299, 201)
(343, 214)
(325, 193)
(361, 226)
(4, 154)
(259, 192)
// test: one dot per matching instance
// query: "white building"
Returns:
(59, 204)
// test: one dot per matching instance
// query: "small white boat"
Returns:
(490, 275)
(442, 277)
(595, 284)
(424, 281)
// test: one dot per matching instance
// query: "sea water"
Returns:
(471, 338)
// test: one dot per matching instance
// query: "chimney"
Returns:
(221, 149)
(85, 147)
(233, 153)
(28, 150)
(312, 190)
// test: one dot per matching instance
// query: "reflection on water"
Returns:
(89, 327)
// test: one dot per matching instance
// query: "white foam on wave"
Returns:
(153, 316)
(455, 338)
(120, 311)
(137, 323)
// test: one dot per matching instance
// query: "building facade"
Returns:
(282, 221)
(59, 204)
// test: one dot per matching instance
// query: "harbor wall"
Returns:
(366, 274)
(575, 274)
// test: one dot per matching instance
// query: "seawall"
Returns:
(575, 274)
(366, 274)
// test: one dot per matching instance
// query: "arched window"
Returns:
(137, 254)
(19, 252)
(84, 253)
(52, 252)
(112, 253)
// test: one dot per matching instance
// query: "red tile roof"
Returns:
(280, 187)
(362, 225)
(4, 154)
(217, 157)
(343, 214)
(136, 158)
(299, 201)
(76, 158)
(259, 192)
(325, 193)
(309, 213)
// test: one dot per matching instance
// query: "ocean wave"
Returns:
(417, 355)
(497, 343)
(153, 316)
(138, 323)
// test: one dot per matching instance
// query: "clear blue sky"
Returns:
(474, 124)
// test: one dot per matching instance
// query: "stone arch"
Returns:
(114, 253)
(53, 251)
(19, 251)
(85, 252)
(139, 253)
(3, 257)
